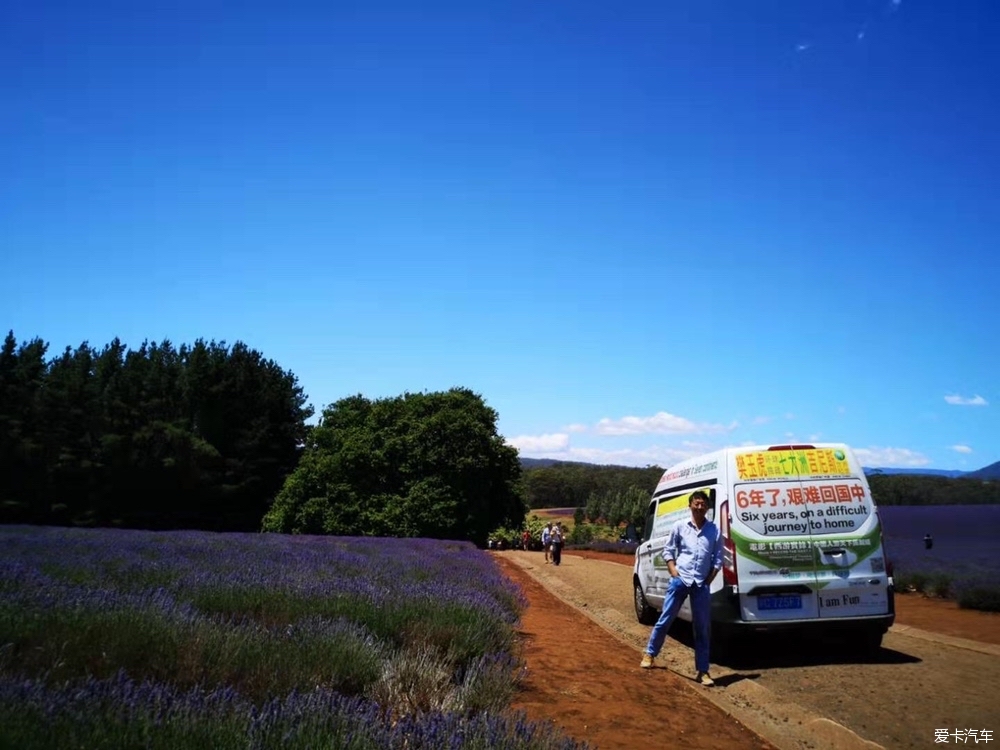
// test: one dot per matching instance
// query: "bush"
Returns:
(978, 592)
(939, 585)
(581, 534)
(911, 581)
(983, 599)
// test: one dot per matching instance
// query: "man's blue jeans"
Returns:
(701, 617)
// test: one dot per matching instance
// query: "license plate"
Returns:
(779, 601)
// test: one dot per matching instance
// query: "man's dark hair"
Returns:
(698, 495)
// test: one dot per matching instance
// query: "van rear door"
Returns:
(771, 528)
(804, 530)
(775, 559)
(851, 571)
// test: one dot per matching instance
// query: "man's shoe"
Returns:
(647, 661)
(704, 678)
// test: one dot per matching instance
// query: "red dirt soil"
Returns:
(588, 683)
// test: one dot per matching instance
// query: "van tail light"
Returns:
(729, 577)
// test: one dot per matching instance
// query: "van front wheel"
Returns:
(645, 614)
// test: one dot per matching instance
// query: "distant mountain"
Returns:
(544, 463)
(987, 472)
(950, 473)
(538, 463)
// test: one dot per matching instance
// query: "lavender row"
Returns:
(120, 712)
(185, 563)
(963, 562)
(262, 614)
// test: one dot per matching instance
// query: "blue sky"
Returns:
(639, 231)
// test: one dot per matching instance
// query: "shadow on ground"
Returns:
(781, 650)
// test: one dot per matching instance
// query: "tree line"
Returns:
(927, 489)
(571, 485)
(212, 436)
(196, 436)
(614, 491)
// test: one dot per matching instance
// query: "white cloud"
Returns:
(575, 428)
(789, 415)
(557, 446)
(802, 46)
(956, 400)
(660, 423)
(961, 449)
(841, 410)
(556, 442)
(815, 438)
(761, 420)
(890, 457)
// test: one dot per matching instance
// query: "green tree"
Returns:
(23, 478)
(618, 507)
(156, 437)
(567, 484)
(424, 464)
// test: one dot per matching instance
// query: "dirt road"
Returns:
(800, 696)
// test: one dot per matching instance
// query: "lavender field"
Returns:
(112, 638)
(964, 562)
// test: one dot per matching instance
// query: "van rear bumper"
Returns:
(726, 616)
(880, 623)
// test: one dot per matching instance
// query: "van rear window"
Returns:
(799, 508)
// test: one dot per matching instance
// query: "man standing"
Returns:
(547, 539)
(694, 557)
(557, 544)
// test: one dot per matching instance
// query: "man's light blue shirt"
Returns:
(696, 552)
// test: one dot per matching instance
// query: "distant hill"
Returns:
(538, 463)
(545, 463)
(950, 473)
(987, 472)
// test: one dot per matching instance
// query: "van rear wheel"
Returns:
(871, 642)
(727, 644)
(645, 614)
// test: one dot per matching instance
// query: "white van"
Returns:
(802, 542)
